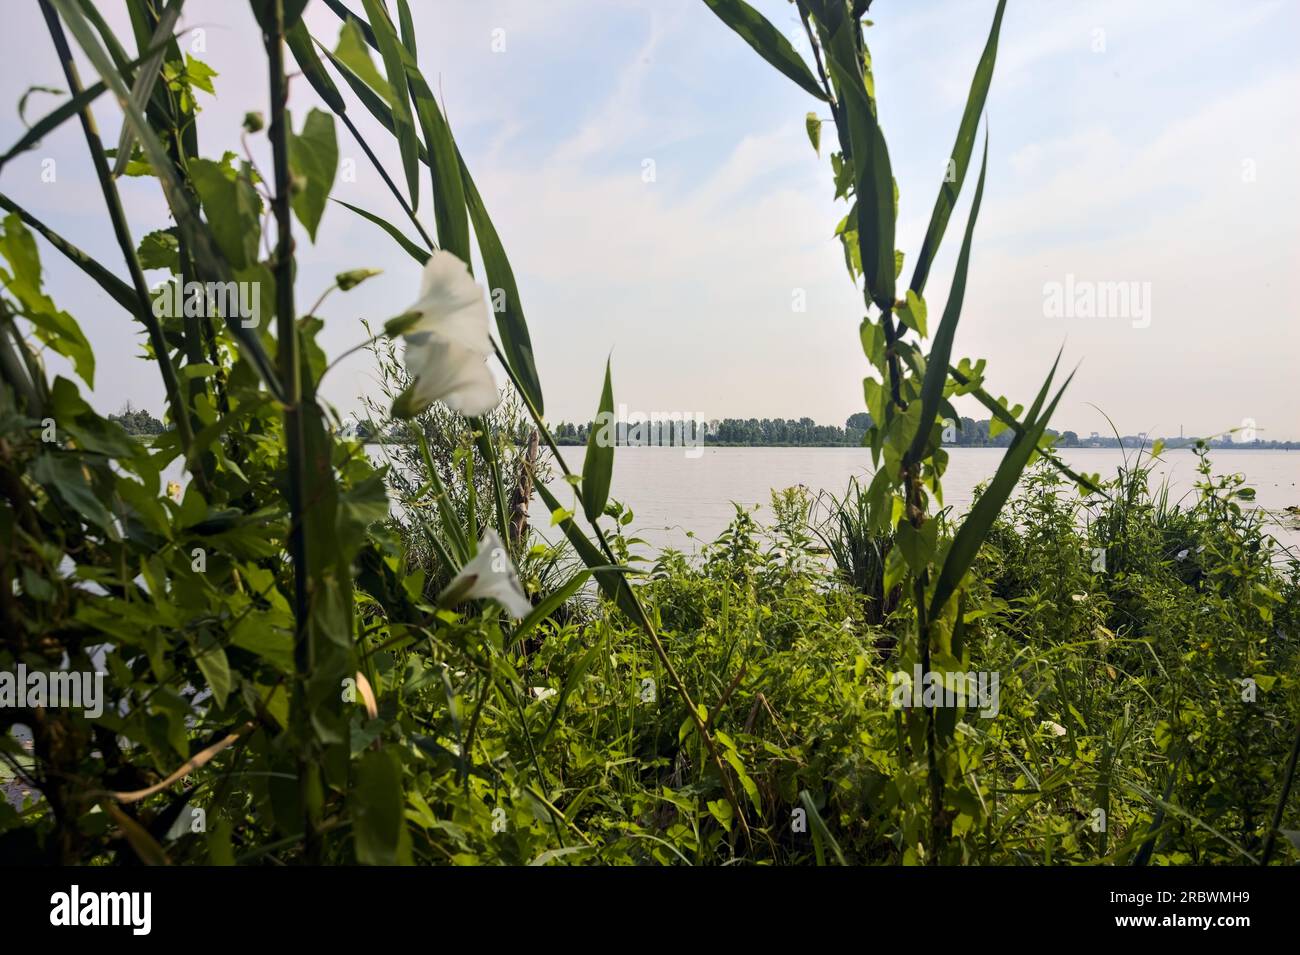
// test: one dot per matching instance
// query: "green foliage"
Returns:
(598, 463)
(137, 421)
(313, 159)
(270, 609)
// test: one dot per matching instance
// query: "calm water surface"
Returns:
(682, 502)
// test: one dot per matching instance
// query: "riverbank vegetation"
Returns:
(311, 656)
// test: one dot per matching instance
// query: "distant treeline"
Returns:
(804, 432)
(773, 433)
(137, 421)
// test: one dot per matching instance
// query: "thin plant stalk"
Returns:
(122, 232)
(295, 443)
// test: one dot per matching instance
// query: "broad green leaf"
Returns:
(872, 335)
(874, 394)
(232, 208)
(767, 41)
(738, 765)
(313, 156)
(1005, 419)
(917, 544)
(401, 324)
(814, 126)
(598, 463)
(872, 175)
(63, 473)
(359, 506)
(215, 668)
(54, 327)
(912, 313)
(351, 51)
(160, 250)
(378, 821)
(269, 634)
(959, 161)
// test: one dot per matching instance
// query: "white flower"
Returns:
(490, 575)
(447, 346)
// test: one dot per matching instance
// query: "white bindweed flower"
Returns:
(490, 575)
(447, 343)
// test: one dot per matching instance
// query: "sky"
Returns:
(661, 204)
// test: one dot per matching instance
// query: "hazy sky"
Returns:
(1155, 143)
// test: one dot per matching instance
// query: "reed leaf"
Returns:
(979, 521)
(598, 462)
(936, 365)
(752, 27)
(955, 173)
(196, 231)
(145, 80)
(390, 49)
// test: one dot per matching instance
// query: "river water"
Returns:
(683, 501)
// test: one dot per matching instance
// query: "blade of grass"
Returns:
(960, 157)
(752, 27)
(145, 80)
(390, 49)
(598, 462)
(408, 246)
(936, 367)
(197, 232)
(118, 290)
(975, 528)
(511, 323)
